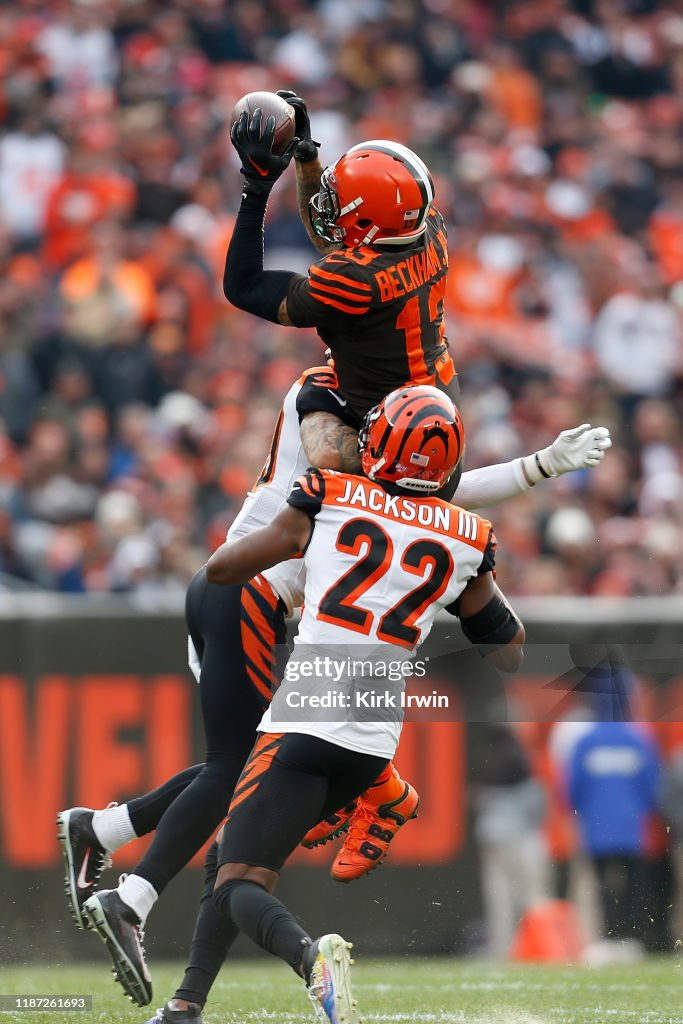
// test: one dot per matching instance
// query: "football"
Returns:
(271, 104)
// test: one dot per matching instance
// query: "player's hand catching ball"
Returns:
(253, 140)
(306, 148)
(579, 448)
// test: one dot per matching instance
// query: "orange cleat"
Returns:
(329, 828)
(372, 827)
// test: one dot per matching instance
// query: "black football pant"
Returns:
(233, 630)
(290, 782)
(231, 707)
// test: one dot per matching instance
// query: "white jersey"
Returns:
(378, 569)
(286, 462)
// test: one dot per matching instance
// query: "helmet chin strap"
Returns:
(402, 239)
(409, 483)
(370, 235)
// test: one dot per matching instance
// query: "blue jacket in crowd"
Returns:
(613, 784)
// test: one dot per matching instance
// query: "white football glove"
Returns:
(579, 448)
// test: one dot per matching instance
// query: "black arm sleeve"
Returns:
(245, 283)
(495, 625)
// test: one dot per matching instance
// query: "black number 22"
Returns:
(397, 626)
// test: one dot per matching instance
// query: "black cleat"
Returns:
(167, 1015)
(119, 927)
(84, 858)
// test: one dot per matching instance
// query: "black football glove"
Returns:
(306, 148)
(253, 140)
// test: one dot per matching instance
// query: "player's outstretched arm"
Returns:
(245, 283)
(488, 621)
(330, 444)
(578, 448)
(237, 561)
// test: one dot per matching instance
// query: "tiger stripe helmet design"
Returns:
(378, 191)
(414, 439)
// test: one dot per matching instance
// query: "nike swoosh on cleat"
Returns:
(264, 174)
(342, 401)
(141, 953)
(82, 881)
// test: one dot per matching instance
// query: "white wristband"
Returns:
(534, 469)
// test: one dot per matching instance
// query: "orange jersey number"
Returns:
(410, 321)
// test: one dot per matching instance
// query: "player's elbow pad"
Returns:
(495, 625)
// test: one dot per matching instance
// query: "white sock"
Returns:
(139, 894)
(113, 828)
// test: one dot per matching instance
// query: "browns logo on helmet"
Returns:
(414, 439)
(378, 191)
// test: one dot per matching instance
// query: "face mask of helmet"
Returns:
(324, 209)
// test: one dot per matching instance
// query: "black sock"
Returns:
(264, 919)
(145, 811)
(213, 936)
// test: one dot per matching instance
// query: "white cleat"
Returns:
(329, 987)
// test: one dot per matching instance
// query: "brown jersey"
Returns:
(380, 311)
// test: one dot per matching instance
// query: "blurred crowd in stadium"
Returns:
(136, 405)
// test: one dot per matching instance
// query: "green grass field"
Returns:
(391, 992)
